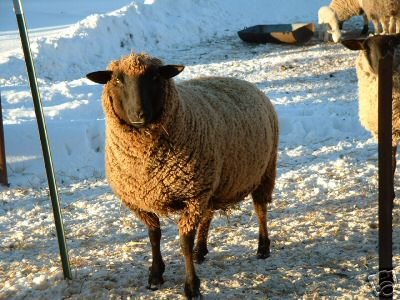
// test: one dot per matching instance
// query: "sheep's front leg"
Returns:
(192, 282)
(157, 266)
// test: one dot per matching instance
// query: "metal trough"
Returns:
(281, 33)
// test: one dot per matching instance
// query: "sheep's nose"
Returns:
(140, 115)
(139, 119)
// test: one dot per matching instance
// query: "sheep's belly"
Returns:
(224, 203)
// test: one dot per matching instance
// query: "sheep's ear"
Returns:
(101, 77)
(356, 44)
(170, 71)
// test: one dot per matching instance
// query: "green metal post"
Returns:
(43, 138)
(3, 164)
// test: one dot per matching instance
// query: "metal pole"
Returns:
(43, 138)
(3, 164)
(385, 85)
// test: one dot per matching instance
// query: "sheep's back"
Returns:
(243, 132)
(382, 8)
(345, 9)
(368, 96)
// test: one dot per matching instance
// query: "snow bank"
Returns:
(153, 26)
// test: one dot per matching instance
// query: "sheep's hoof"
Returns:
(153, 287)
(199, 254)
(192, 289)
(155, 281)
(263, 252)
(263, 247)
(263, 255)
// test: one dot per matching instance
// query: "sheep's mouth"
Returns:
(138, 124)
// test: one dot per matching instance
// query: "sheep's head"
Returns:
(138, 83)
(327, 19)
(375, 47)
(336, 35)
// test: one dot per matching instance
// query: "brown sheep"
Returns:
(186, 149)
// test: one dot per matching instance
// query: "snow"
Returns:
(323, 222)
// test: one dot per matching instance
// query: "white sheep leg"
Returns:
(385, 25)
(392, 25)
(377, 26)
(397, 24)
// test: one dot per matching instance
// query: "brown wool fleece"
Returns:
(216, 139)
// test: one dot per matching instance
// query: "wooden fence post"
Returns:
(385, 85)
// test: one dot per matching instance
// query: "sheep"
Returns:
(383, 12)
(186, 149)
(328, 24)
(372, 50)
(332, 17)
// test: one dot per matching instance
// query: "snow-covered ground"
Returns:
(323, 222)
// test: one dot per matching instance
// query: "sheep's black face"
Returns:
(142, 101)
(376, 47)
(142, 96)
(145, 94)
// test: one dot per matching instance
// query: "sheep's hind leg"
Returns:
(261, 197)
(200, 250)
(192, 282)
(157, 266)
(263, 239)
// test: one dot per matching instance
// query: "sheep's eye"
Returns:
(119, 80)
